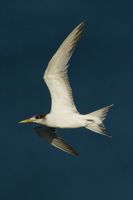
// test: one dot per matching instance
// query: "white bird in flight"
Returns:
(63, 113)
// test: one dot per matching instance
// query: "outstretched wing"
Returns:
(56, 76)
(51, 137)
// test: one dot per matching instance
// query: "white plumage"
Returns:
(63, 112)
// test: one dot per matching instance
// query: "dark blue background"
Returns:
(100, 73)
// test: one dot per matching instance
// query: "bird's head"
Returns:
(35, 119)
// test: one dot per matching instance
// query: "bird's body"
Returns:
(63, 113)
(65, 120)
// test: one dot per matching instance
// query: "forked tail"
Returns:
(95, 120)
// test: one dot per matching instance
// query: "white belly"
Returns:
(65, 120)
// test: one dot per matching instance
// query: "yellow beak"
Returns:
(26, 121)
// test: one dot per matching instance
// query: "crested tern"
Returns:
(63, 113)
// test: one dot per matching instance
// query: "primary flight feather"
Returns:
(63, 112)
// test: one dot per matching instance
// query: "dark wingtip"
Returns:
(72, 151)
(106, 134)
(82, 23)
(81, 26)
(75, 153)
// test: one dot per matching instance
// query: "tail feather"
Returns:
(101, 113)
(95, 120)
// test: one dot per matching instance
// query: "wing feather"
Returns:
(56, 76)
(51, 137)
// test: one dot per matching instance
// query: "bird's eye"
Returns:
(39, 116)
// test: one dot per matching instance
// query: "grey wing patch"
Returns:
(51, 137)
(46, 133)
(62, 145)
